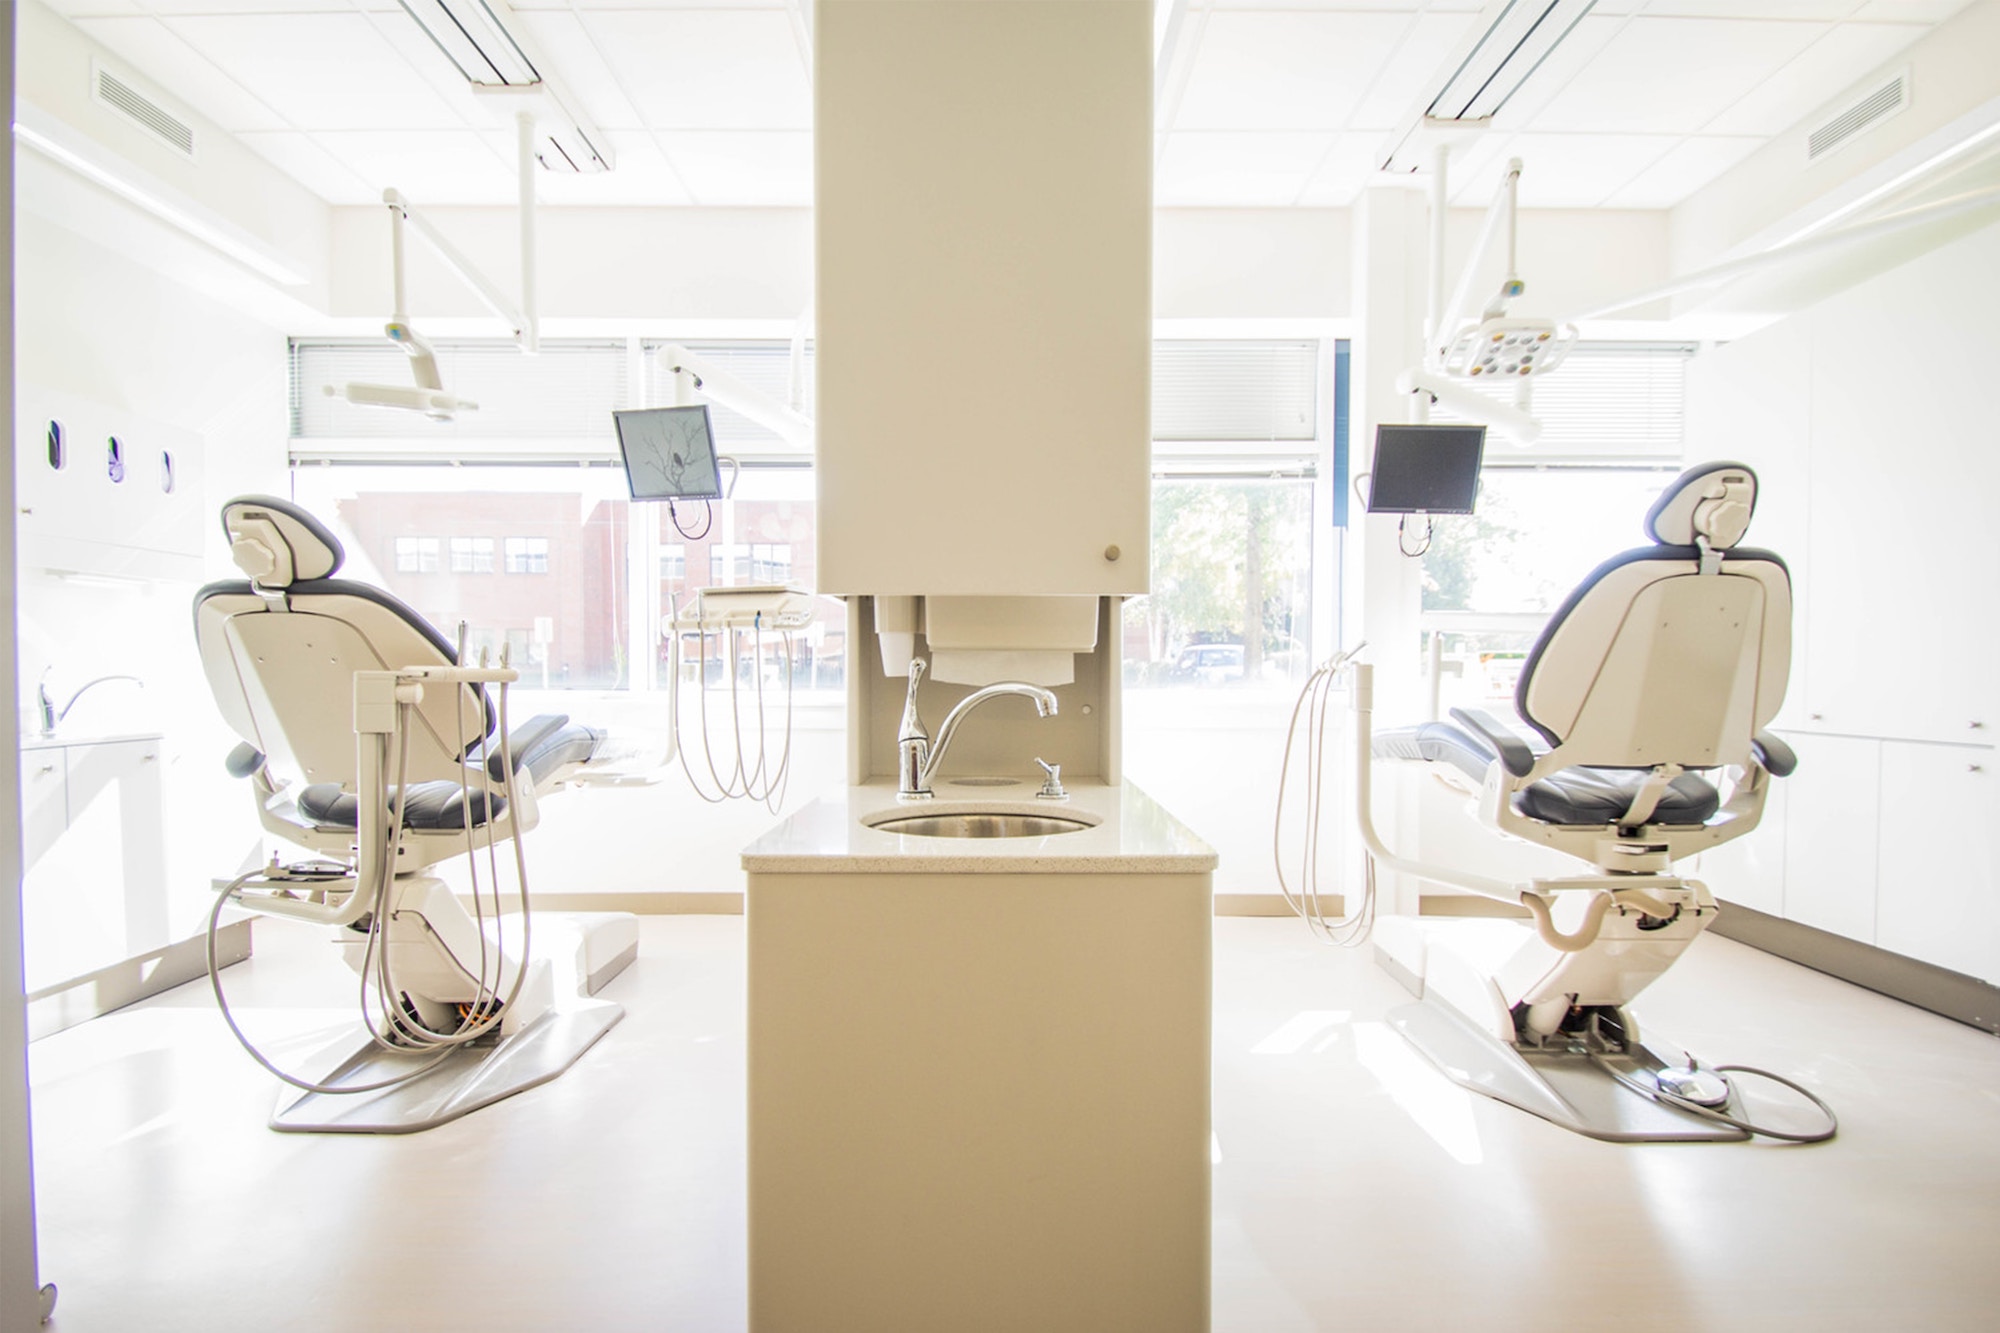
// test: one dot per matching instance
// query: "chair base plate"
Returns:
(1560, 1085)
(471, 1077)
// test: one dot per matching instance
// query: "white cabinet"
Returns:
(94, 886)
(1899, 637)
(1937, 897)
(983, 211)
(1832, 812)
(1750, 871)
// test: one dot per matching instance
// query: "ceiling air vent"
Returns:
(134, 105)
(1871, 109)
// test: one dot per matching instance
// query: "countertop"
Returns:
(1131, 835)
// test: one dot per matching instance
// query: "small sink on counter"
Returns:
(976, 824)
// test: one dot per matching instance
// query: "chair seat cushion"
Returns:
(431, 807)
(1603, 795)
(1573, 796)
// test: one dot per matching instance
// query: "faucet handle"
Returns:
(1052, 788)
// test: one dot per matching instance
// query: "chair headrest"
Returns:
(1713, 501)
(277, 543)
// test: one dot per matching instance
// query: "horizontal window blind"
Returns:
(764, 366)
(1235, 390)
(565, 392)
(1606, 401)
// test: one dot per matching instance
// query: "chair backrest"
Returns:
(281, 649)
(1676, 652)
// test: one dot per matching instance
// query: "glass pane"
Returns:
(1214, 658)
(555, 596)
(764, 535)
(1534, 536)
(1232, 586)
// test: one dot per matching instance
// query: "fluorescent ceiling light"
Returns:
(1508, 50)
(1509, 42)
(102, 168)
(472, 36)
(481, 40)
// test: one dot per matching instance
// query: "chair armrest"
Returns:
(1513, 751)
(1778, 758)
(244, 760)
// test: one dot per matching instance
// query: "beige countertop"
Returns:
(1129, 834)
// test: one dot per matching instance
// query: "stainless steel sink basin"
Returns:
(979, 824)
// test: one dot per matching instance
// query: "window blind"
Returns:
(566, 392)
(1623, 402)
(1238, 390)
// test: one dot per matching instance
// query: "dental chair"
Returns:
(354, 711)
(1646, 699)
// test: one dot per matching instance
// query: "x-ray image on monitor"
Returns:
(669, 453)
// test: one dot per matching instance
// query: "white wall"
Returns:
(101, 327)
(1954, 90)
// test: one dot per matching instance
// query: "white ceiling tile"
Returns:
(640, 178)
(1410, 72)
(1821, 10)
(744, 168)
(1246, 170)
(320, 71)
(313, 167)
(708, 69)
(577, 65)
(76, 9)
(1821, 73)
(183, 74)
(431, 167)
(1909, 11)
(1564, 170)
(1286, 70)
(1685, 168)
(1559, 68)
(1344, 170)
(1673, 75)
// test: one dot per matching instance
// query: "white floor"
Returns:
(1355, 1188)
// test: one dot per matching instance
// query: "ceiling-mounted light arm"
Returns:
(519, 320)
(1428, 386)
(1501, 210)
(1888, 224)
(696, 379)
(530, 334)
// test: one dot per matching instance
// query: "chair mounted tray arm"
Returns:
(1778, 758)
(1513, 751)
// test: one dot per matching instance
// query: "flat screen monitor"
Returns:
(669, 453)
(1426, 469)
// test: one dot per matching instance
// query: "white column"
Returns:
(1383, 587)
(20, 1308)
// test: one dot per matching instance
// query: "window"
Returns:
(527, 555)
(416, 555)
(673, 564)
(472, 555)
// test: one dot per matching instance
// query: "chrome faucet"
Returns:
(917, 757)
(46, 707)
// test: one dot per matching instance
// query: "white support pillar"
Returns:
(20, 1264)
(1384, 588)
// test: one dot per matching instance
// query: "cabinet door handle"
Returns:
(44, 770)
(1975, 768)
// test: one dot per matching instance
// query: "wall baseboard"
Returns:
(79, 999)
(1913, 981)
